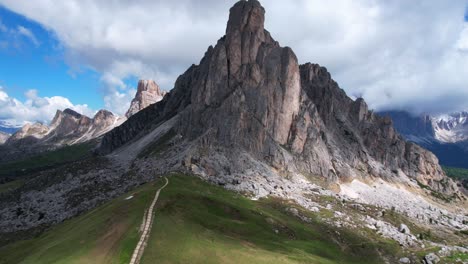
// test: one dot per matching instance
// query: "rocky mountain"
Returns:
(451, 128)
(67, 128)
(148, 93)
(8, 128)
(446, 135)
(249, 118)
(3, 137)
(418, 129)
(250, 94)
(28, 134)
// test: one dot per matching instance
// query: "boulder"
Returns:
(404, 229)
(431, 259)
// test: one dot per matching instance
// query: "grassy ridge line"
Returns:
(10, 186)
(107, 234)
(456, 173)
(9, 171)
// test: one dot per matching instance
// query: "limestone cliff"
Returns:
(148, 93)
(250, 93)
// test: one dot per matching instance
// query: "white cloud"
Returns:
(28, 34)
(35, 108)
(121, 39)
(16, 38)
(462, 43)
(397, 54)
(119, 101)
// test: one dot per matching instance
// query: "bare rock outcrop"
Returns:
(4, 137)
(67, 128)
(29, 133)
(148, 93)
(250, 93)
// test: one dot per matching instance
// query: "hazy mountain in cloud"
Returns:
(445, 135)
(8, 128)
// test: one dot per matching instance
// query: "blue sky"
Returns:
(89, 55)
(41, 66)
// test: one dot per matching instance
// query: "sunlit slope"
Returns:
(196, 223)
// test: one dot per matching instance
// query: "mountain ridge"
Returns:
(250, 93)
(444, 135)
(4, 137)
(69, 127)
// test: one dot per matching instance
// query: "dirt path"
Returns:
(148, 224)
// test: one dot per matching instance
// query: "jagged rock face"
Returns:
(442, 135)
(102, 121)
(353, 141)
(451, 128)
(250, 93)
(68, 124)
(4, 137)
(67, 128)
(415, 128)
(248, 83)
(148, 93)
(29, 133)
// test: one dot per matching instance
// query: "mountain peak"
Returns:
(245, 33)
(148, 93)
(73, 113)
(246, 16)
(249, 94)
(103, 114)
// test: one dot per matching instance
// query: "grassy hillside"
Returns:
(456, 173)
(107, 234)
(197, 223)
(10, 171)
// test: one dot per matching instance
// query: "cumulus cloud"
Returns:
(396, 54)
(119, 101)
(35, 108)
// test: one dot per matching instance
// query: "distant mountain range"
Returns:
(8, 128)
(445, 135)
(69, 127)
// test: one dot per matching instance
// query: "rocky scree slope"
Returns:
(248, 92)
